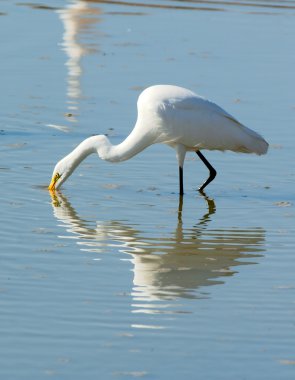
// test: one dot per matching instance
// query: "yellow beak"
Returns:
(54, 179)
(51, 187)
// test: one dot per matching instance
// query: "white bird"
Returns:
(176, 117)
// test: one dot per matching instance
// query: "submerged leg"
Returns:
(212, 171)
(180, 180)
(180, 205)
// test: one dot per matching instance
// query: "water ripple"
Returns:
(167, 265)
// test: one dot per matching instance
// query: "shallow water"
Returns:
(115, 276)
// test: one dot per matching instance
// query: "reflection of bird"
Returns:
(174, 116)
(78, 21)
(168, 264)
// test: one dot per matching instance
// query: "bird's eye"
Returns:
(57, 177)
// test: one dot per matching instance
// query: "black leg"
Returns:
(180, 180)
(212, 171)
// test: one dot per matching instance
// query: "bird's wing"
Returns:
(202, 106)
(199, 123)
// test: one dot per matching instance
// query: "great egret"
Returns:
(174, 116)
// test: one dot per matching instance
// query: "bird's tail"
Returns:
(261, 146)
(247, 140)
(256, 143)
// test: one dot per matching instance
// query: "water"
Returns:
(115, 277)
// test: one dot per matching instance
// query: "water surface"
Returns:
(115, 276)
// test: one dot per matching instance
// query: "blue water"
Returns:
(115, 276)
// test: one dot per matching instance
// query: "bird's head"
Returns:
(61, 172)
(64, 168)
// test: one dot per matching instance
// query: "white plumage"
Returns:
(174, 116)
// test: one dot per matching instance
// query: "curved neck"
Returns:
(83, 150)
(132, 145)
(100, 144)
